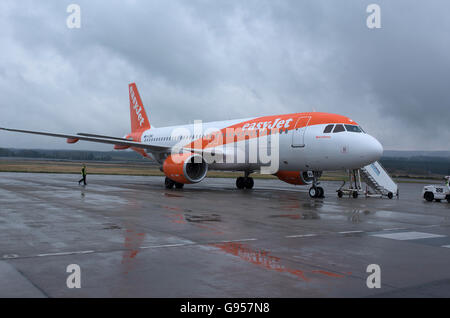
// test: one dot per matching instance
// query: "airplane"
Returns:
(306, 145)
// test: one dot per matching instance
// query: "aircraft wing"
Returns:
(104, 137)
(92, 138)
(219, 151)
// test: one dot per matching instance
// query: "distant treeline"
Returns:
(416, 165)
(71, 154)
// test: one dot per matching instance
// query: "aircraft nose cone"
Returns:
(375, 149)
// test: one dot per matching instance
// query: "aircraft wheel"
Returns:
(168, 183)
(390, 195)
(313, 192)
(179, 185)
(355, 194)
(340, 194)
(240, 183)
(321, 192)
(429, 196)
(248, 183)
(448, 198)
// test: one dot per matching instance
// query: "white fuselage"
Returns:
(300, 149)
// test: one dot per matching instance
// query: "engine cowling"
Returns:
(185, 168)
(295, 177)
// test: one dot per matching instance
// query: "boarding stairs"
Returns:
(376, 177)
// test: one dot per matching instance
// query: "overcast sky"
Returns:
(217, 60)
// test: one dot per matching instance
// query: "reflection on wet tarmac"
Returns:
(310, 215)
(132, 244)
(358, 216)
(44, 218)
(173, 195)
(203, 218)
(181, 219)
(263, 259)
(289, 216)
(177, 218)
(307, 210)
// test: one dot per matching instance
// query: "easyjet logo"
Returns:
(136, 107)
(278, 123)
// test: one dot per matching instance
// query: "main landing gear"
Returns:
(169, 184)
(245, 182)
(315, 191)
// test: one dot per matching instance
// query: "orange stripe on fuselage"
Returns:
(261, 126)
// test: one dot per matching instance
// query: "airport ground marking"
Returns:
(301, 235)
(196, 243)
(406, 236)
(421, 235)
(167, 245)
(402, 236)
(65, 253)
(10, 256)
(231, 241)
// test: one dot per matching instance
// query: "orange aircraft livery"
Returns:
(296, 147)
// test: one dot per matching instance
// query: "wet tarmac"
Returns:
(133, 238)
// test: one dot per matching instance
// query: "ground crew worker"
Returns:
(83, 173)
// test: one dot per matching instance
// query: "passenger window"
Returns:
(338, 128)
(353, 128)
(328, 129)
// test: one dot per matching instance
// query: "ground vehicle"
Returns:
(437, 192)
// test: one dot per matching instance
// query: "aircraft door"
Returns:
(298, 133)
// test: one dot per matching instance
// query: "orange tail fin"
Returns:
(139, 119)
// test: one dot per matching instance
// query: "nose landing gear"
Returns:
(315, 191)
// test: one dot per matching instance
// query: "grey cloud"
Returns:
(220, 59)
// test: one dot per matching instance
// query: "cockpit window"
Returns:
(328, 129)
(362, 129)
(338, 128)
(353, 128)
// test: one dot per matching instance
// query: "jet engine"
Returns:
(185, 168)
(296, 177)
